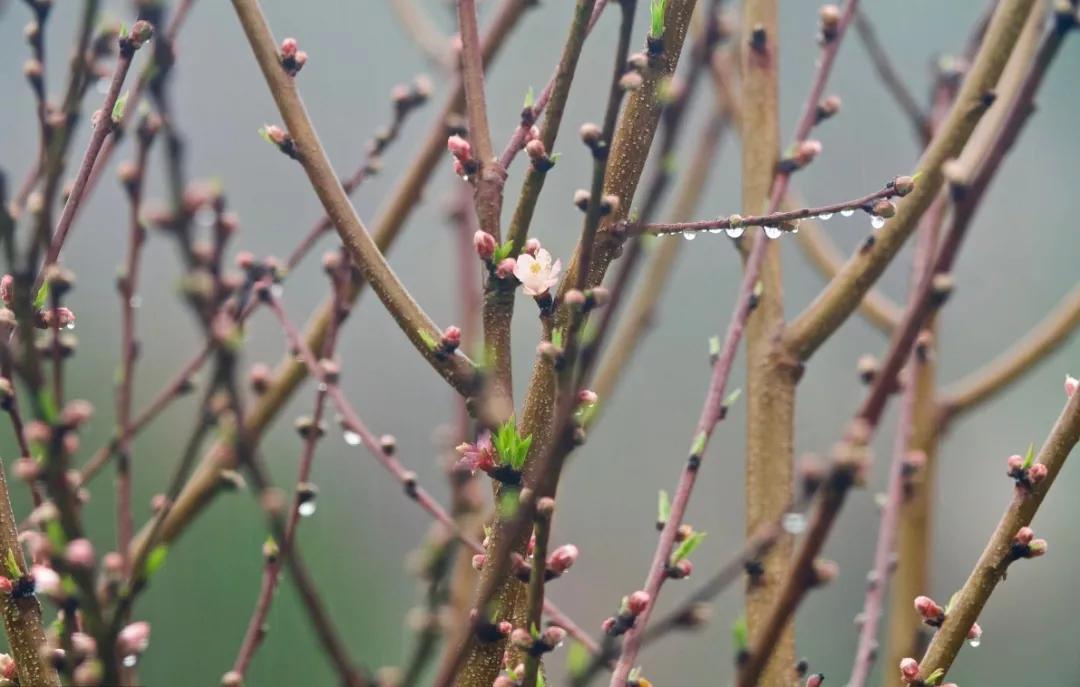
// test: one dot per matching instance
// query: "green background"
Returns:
(1020, 260)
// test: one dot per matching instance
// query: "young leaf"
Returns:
(935, 677)
(118, 108)
(740, 633)
(663, 510)
(155, 560)
(730, 399)
(428, 338)
(530, 98)
(698, 447)
(1029, 457)
(577, 659)
(11, 565)
(42, 296)
(687, 547)
(656, 18)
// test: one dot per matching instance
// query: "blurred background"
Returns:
(1021, 258)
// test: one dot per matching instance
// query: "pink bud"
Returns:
(637, 602)
(505, 627)
(608, 625)
(909, 670)
(459, 148)
(574, 298)
(562, 558)
(484, 244)
(300, 59)
(5, 585)
(8, 669)
(521, 639)
(1025, 535)
(681, 570)
(133, 639)
(503, 681)
(289, 47)
(46, 580)
(553, 636)
(1071, 383)
(27, 469)
(1037, 473)
(459, 169)
(7, 286)
(80, 554)
(587, 397)
(1037, 548)
(276, 134)
(532, 246)
(478, 561)
(451, 337)
(535, 149)
(928, 608)
(1015, 463)
(505, 269)
(975, 632)
(815, 680)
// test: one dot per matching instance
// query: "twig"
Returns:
(891, 79)
(992, 564)
(418, 25)
(458, 371)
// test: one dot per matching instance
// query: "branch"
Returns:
(418, 25)
(458, 371)
(891, 79)
(999, 553)
(832, 307)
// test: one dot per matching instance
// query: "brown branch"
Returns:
(840, 298)
(990, 569)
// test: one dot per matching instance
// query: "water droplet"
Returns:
(795, 227)
(70, 325)
(465, 178)
(306, 509)
(689, 235)
(276, 290)
(735, 232)
(847, 212)
(715, 231)
(322, 387)
(825, 216)
(773, 232)
(974, 643)
(351, 438)
(130, 660)
(877, 222)
(794, 523)
(135, 302)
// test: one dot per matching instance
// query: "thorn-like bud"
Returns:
(829, 16)
(581, 199)
(867, 367)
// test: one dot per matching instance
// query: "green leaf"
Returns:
(740, 633)
(714, 346)
(656, 18)
(557, 338)
(687, 547)
(663, 509)
(264, 134)
(1029, 457)
(11, 564)
(155, 560)
(502, 252)
(118, 108)
(577, 659)
(530, 98)
(42, 296)
(730, 399)
(55, 534)
(698, 447)
(540, 679)
(935, 677)
(513, 449)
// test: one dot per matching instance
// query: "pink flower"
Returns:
(909, 670)
(46, 580)
(478, 456)
(537, 274)
(1071, 384)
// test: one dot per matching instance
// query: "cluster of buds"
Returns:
(281, 138)
(631, 607)
(909, 674)
(587, 300)
(608, 204)
(540, 643)
(1025, 472)
(292, 58)
(1025, 545)
(933, 615)
(800, 155)
(465, 165)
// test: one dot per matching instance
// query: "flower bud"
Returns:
(1037, 548)
(562, 558)
(553, 636)
(521, 639)
(637, 602)
(79, 553)
(1024, 536)
(828, 107)
(531, 247)
(1036, 473)
(830, 22)
(484, 244)
(581, 199)
(909, 670)
(903, 185)
(133, 639)
(1071, 384)
(459, 148)
(590, 134)
(505, 268)
(928, 608)
(884, 208)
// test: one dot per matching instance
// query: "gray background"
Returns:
(1022, 257)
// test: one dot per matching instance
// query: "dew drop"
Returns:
(276, 290)
(306, 509)
(795, 227)
(877, 222)
(70, 325)
(135, 302)
(974, 643)
(847, 212)
(689, 235)
(351, 438)
(825, 216)
(794, 523)
(322, 387)
(735, 232)
(773, 232)
(715, 231)
(130, 660)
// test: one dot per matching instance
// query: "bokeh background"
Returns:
(1020, 260)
